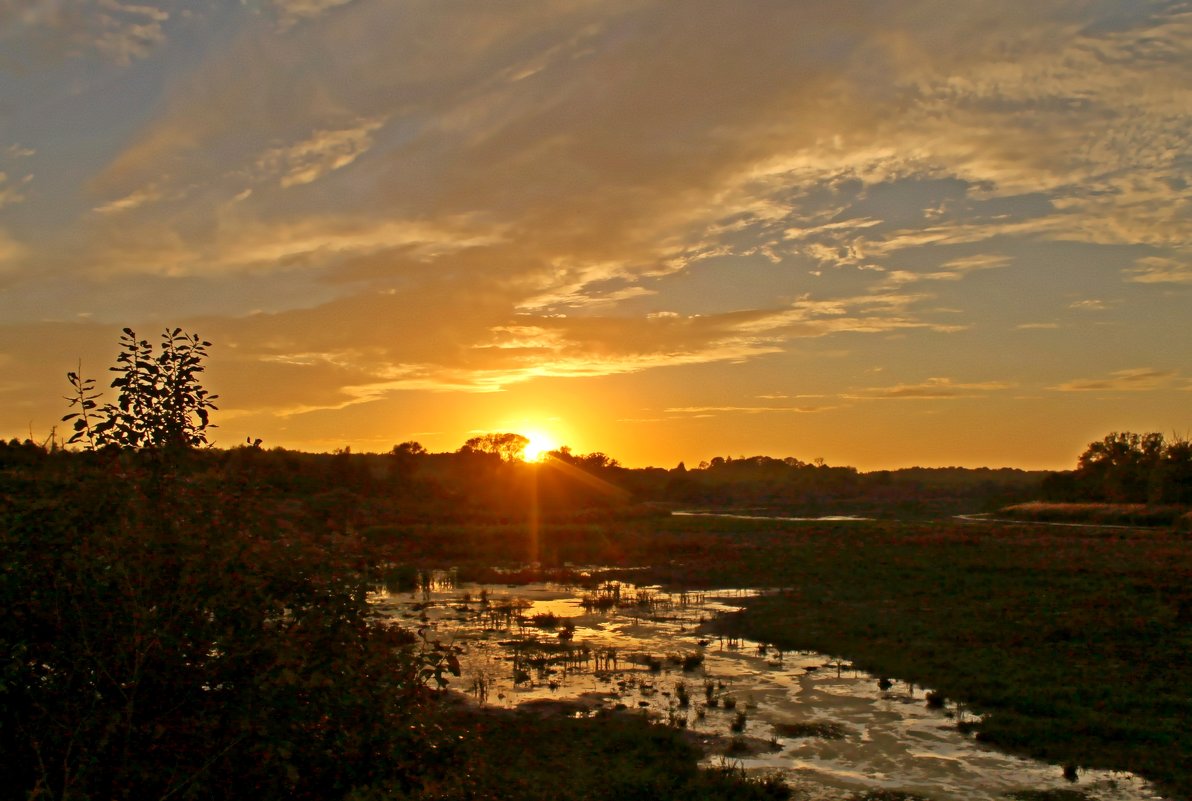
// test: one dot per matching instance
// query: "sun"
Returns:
(538, 446)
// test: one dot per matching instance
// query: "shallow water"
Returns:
(742, 697)
(738, 516)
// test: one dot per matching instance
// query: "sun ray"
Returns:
(538, 446)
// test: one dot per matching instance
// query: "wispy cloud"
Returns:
(10, 251)
(237, 246)
(322, 152)
(949, 271)
(469, 196)
(9, 193)
(932, 389)
(707, 411)
(127, 31)
(1140, 379)
(422, 342)
(877, 313)
(133, 200)
(291, 12)
(118, 32)
(1156, 270)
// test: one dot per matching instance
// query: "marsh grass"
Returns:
(545, 620)
(1118, 514)
(826, 729)
(1069, 644)
(518, 756)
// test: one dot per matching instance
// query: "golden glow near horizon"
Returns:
(539, 445)
(933, 234)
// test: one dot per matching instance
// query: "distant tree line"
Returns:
(162, 407)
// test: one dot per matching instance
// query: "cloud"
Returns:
(431, 338)
(1156, 270)
(1007, 121)
(323, 152)
(932, 389)
(1091, 305)
(9, 194)
(495, 129)
(239, 245)
(953, 270)
(117, 31)
(960, 232)
(968, 264)
(126, 31)
(10, 251)
(291, 12)
(874, 313)
(467, 196)
(1139, 379)
(133, 200)
(604, 189)
(441, 335)
(708, 411)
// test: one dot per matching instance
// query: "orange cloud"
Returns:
(932, 389)
(1140, 379)
(1156, 270)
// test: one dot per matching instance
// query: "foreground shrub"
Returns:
(174, 637)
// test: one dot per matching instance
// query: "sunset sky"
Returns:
(884, 233)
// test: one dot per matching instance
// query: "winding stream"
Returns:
(827, 727)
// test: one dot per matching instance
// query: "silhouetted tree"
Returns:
(591, 462)
(509, 447)
(1171, 481)
(1135, 468)
(160, 401)
(409, 448)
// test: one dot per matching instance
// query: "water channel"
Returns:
(831, 730)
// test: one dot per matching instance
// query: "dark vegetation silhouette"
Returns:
(160, 403)
(1128, 468)
(507, 446)
(186, 621)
